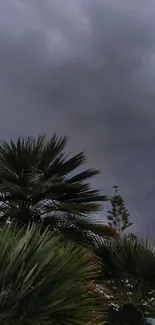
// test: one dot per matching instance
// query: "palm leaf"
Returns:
(43, 281)
(127, 274)
(37, 172)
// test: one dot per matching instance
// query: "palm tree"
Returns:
(45, 282)
(127, 279)
(38, 182)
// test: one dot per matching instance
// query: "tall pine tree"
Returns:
(118, 217)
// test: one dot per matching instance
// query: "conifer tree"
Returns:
(118, 217)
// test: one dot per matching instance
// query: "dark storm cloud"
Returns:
(85, 68)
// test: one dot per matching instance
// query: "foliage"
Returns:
(84, 231)
(39, 182)
(44, 282)
(118, 216)
(127, 280)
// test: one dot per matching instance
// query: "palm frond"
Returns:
(38, 181)
(43, 281)
(127, 274)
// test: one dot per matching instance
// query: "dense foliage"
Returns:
(40, 182)
(43, 281)
(127, 278)
(44, 277)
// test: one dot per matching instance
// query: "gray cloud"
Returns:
(86, 68)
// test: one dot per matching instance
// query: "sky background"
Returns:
(86, 68)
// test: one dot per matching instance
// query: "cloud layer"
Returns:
(86, 68)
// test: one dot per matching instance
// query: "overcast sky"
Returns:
(86, 68)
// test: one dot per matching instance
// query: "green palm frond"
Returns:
(37, 170)
(43, 281)
(81, 230)
(127, 274)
